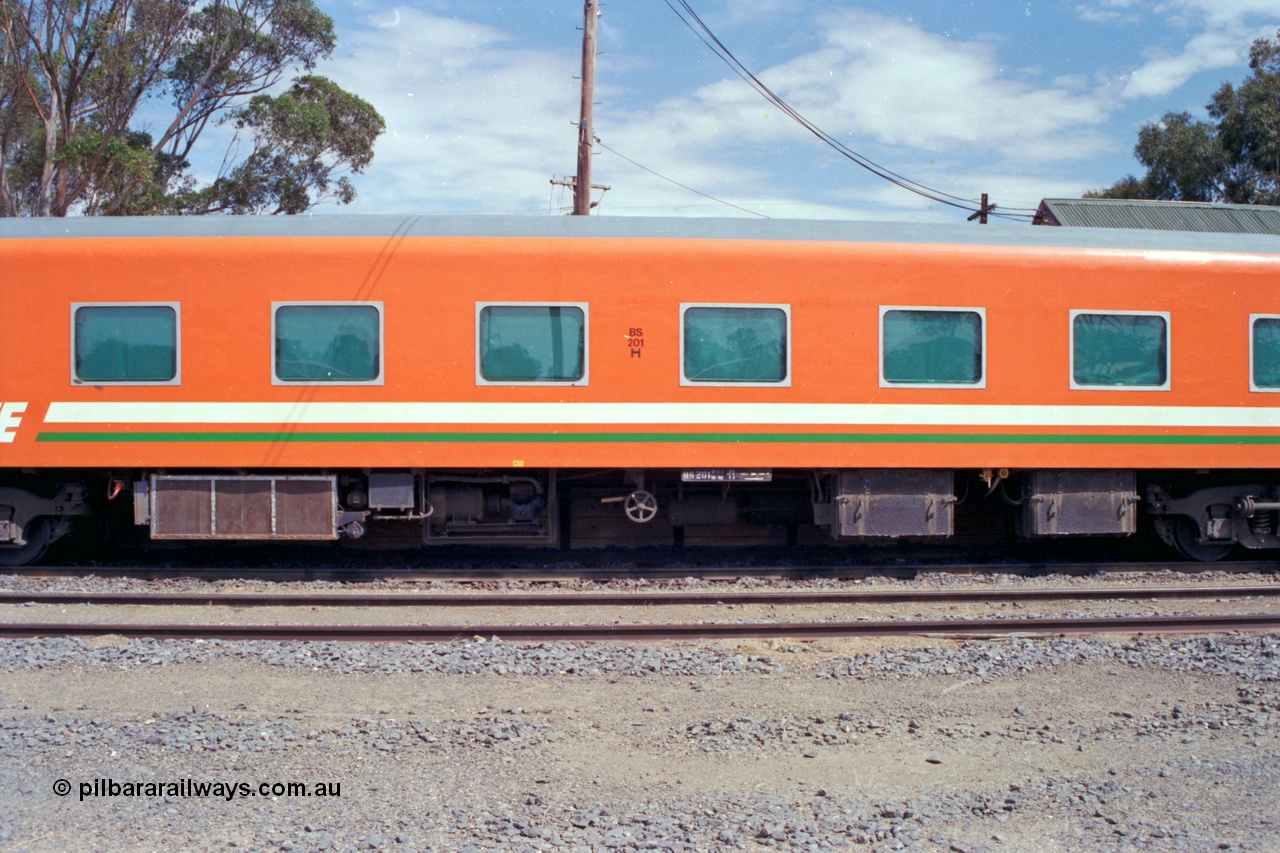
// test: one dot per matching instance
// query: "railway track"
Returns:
(641, 567)
(942, 628)
(639, 599)
(799, 630)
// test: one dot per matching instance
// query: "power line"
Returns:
(677, 183)
(704, 34)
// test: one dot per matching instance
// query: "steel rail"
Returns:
(640, 567)
(642, 599)
(967, 628)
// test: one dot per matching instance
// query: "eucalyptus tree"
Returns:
(103, 102)
(1234, 157)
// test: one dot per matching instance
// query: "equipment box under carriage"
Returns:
(894, 503)
(235, 507)
(1079, 503)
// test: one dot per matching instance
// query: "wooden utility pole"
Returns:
(983, 209)
(586, 138)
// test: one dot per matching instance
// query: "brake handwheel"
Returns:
(640, 506)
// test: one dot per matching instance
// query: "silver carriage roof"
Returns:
(399, 226)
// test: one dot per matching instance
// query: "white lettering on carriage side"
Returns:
(10, 418)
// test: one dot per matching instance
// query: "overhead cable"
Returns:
(677, 183)
(698, 27)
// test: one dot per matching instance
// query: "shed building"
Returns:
(1159, 215)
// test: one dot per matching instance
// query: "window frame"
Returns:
(537, 383)
(1071, 350)
(177, 344)
(943, 309)
(1253, 386)
(380, 379)
(784, 382)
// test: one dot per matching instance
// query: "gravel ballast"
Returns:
(1156, 743)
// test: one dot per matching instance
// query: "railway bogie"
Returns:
(35, 512)
(575, 384)
(1203, 517)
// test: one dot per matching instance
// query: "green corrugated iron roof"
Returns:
(1159, 215)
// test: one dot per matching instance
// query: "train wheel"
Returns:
(1186, 539)
(38, 535)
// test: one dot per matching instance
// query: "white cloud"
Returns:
(1163, 73)
(879, 81)
(472, 120)
(1223, 13)
(922, 104)
(1219, 33)
(1109, 12)
(479, 121)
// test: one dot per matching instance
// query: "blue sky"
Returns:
(1023, 99)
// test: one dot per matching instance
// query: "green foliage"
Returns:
(1249, 127)
(300, 138)
(1127, 187)
(73, 73)
(1235, 158)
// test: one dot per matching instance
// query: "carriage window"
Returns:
(1119, 350)
(731, 344)
(931, 347)
(531, 343)
(323, 343)
(1264, 357)
(128, 344)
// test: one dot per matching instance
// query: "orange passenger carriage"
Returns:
(586, 382)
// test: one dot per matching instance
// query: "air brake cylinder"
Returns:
(456, 503)
(474, 503)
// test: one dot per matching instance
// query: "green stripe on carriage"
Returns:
(640, 438)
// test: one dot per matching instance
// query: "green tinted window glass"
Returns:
(1266, 352)
(735, 344)
(126, 343)
(932, 347)
(532, 343)
(327, 343)
(1120, 350)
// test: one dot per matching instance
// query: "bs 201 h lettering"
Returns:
(10, 418)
